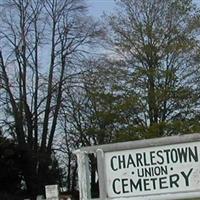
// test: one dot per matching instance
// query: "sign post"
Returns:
(162, 168)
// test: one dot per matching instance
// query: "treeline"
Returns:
(68, 81)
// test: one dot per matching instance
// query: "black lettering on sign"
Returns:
(153, 180)
(173, 179)
(152, 171)
(121, 160)
(112, 163)
(183, 154)
(160, 156)
(152, 157)
(186, 176)
(174, 155)
(193, 155)
(130, 161)
(145, 160)
(130, 185)
(146, 184)
(114, 186)
(135, 186)
(124, 185)
(167, 154)
(149, 170)
(163, 182)
(139, 159)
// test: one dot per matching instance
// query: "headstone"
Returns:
(51, 192)
(40, 197)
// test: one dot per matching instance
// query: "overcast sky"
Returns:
(97, 7)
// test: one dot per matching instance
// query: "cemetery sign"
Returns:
(164, 168)
(155, 170)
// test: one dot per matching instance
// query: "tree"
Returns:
(156, 41)
(93, 112)
(41, 42)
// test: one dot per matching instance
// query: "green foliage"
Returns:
(158, 45)
(10, 176)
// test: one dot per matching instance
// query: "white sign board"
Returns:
(51, 191)
(152, 171)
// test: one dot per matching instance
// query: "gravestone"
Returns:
(52, 192)
(40, 197)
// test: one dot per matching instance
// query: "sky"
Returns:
(97, 7)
